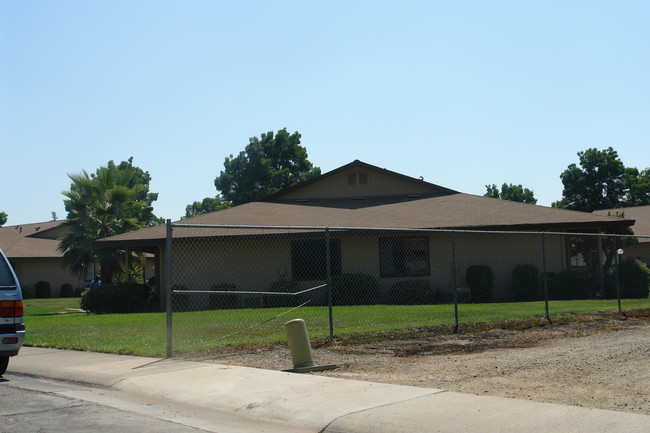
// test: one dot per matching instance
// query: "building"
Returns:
(33, 252)
(641, 227)
(351, 200)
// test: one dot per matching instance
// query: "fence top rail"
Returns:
(402, 229)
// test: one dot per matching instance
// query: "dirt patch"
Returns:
(598, 361)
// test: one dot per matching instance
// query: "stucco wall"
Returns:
(253, 265)
(31, 271)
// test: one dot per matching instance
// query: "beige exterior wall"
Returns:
(31, 271)
(251, 265)
(254, 265)
(337, 186)
(640, 251)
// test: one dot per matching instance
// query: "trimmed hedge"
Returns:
(571, 284)
(43, 289)
(525, 283)
(634, 280)
(410, 292)
(354, 289)
(67, 291)
(28, 292)
(223, 301)
(116, 298)
(282, 286)
(480, 280)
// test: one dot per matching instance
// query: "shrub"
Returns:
(283, 286)
(570, 284)
(180, 301)
(28, 292)
(525, 283)
(634, 277)
(223, 301)
(67, 291)
(43, 289)
(446, 295)
(354, 289)
(480, 280)
(410, 292)
(115, 298)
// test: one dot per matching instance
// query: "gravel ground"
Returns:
(597, 361)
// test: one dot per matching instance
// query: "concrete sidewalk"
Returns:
(309, 403)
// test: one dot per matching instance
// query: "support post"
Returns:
(453, 279)
(328, 259)
(168, 285)
(619, 253)
(545, 281)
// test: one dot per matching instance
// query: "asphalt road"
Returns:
(29, 405)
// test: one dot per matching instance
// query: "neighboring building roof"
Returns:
(37, 240)
(641, 215)
(381, 199)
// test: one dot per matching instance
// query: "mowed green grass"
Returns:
(58, 323)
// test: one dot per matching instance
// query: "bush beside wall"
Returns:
(223, 301)
(116, 298)
(28, 292)
(43, 289)
(634, 278)
(354, 289)
(410, 292)
(526, 283)
(571, 284)
(480, 280)
(283, 286)
(67, 291)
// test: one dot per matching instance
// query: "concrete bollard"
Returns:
(299, 344)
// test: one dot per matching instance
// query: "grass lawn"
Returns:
(58, 323)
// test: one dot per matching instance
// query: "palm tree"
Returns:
(100, 205)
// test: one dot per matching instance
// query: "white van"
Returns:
(12, 324)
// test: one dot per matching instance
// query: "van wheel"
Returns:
(4, 362)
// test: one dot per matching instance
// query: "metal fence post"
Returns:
(453, 279)
(328, 258)
(618, 274)
(545, 280)
(168, 285)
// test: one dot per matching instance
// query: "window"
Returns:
(363, 178)
(576, 248)
(309, 261)
(91, 271)
(357, 179)
(404, 256)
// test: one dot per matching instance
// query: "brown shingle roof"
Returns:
(37, 240)
(641, 215)
(441, 209)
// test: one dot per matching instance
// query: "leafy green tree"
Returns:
(207, 205)
(106, 203)
(636, 185)
(601, 181)
(3, 218)
(268, 164)
(596, 184)
(511, 192)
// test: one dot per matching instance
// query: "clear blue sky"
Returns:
(463, 93)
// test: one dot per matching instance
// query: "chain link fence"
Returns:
(238, 285)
